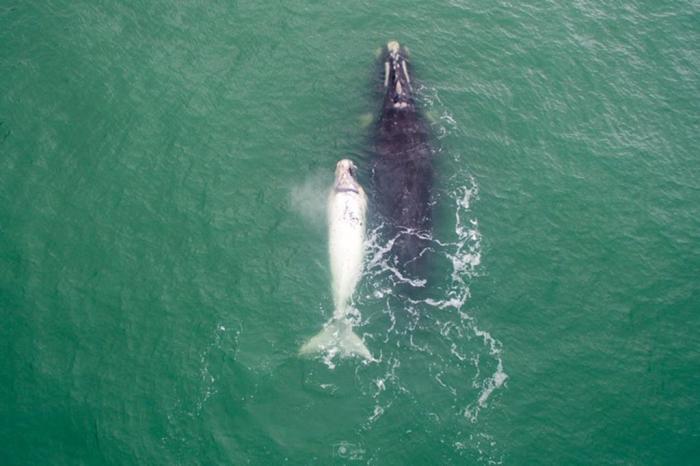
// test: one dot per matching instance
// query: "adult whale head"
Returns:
(397, 81)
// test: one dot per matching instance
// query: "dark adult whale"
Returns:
(402, 167)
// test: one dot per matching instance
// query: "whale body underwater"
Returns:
(402, 168)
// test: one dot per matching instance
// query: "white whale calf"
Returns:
(347, 206)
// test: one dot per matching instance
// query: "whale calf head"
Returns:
(345, 172)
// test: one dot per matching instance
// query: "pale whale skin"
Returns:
(403, 164)
(347, 210)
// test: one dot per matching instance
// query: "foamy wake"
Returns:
(430, 353)
(439, 326)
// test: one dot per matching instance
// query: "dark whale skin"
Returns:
(402, 168)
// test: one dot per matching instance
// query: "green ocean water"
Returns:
(163, 172)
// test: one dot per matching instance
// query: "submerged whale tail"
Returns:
(337, 337)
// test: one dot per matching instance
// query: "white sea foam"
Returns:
(434, 337)
(430, 349)
(444, 312)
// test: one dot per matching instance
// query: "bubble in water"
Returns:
(348, 451)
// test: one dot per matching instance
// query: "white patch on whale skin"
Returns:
(393, 46)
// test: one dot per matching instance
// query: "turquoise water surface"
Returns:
(163, 255)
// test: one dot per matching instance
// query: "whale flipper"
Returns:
(337, 336)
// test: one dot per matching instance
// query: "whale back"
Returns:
(403, 166)
(346, 236)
